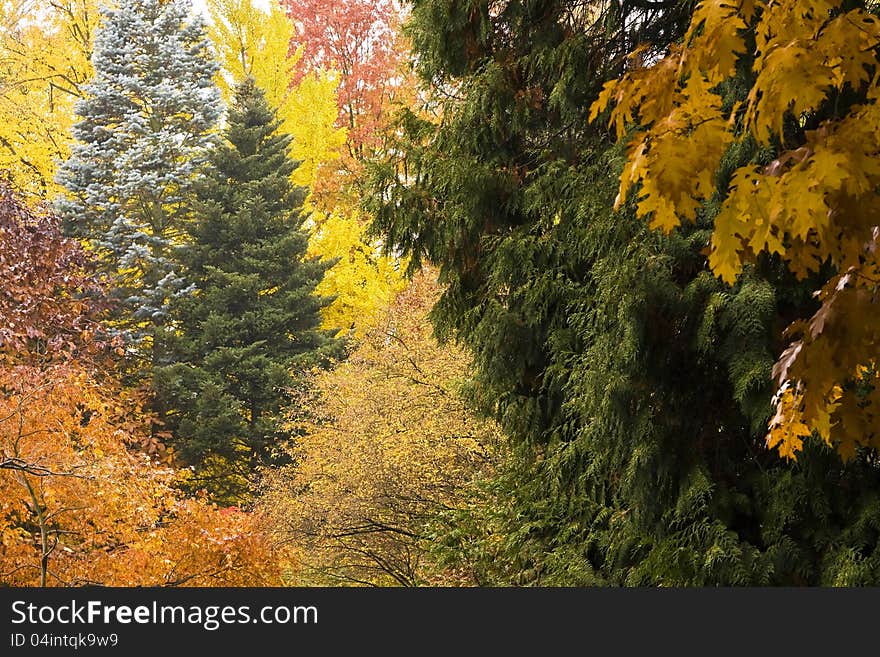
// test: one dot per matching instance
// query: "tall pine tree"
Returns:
(145, 126)
(253, 320)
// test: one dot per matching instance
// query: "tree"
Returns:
(359, 39)
(145, 124)
(81, 499)
(254, 318)
(361, 281)
(252, 42)
(80, 505)
(633, 385)
(45, 47)
(388, 446)
(49, 301)
(808, 73)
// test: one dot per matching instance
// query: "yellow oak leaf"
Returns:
(787, 429)
(794, 77)
(715, 39)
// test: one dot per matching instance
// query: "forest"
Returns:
(439, 293)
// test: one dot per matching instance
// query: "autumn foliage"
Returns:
(45, 65)
(81, 499)
(48, 298)
(80, 504)
(389, 443)
(812, 103)
(361, 41)
(305, 85)
(455, 293)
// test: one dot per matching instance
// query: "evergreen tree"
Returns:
(146, 123)
(254, 318)
(634, 386)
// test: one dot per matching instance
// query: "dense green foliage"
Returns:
(634, 386)
(253, 318)
(656, 232)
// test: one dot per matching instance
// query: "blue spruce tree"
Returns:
(146, 123)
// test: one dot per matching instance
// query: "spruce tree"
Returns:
(634, 386)
(146, 122)
(253, 322)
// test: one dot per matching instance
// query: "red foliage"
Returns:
(360, 40)
(48, 301)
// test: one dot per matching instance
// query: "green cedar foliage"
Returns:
(633, 385)
(252, 326)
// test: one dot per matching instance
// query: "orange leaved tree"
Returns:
(81, 501)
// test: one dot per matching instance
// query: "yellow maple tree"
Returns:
(813, 102)
(388, 443)
(362, 282)
(251, 41)
(45, 46)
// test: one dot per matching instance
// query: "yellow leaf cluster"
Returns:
(45, 46)
(252, 41)
(389, 443)
(363, 282)
(816, 203)
(674, 97)
(787, 429)
(309, 114)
